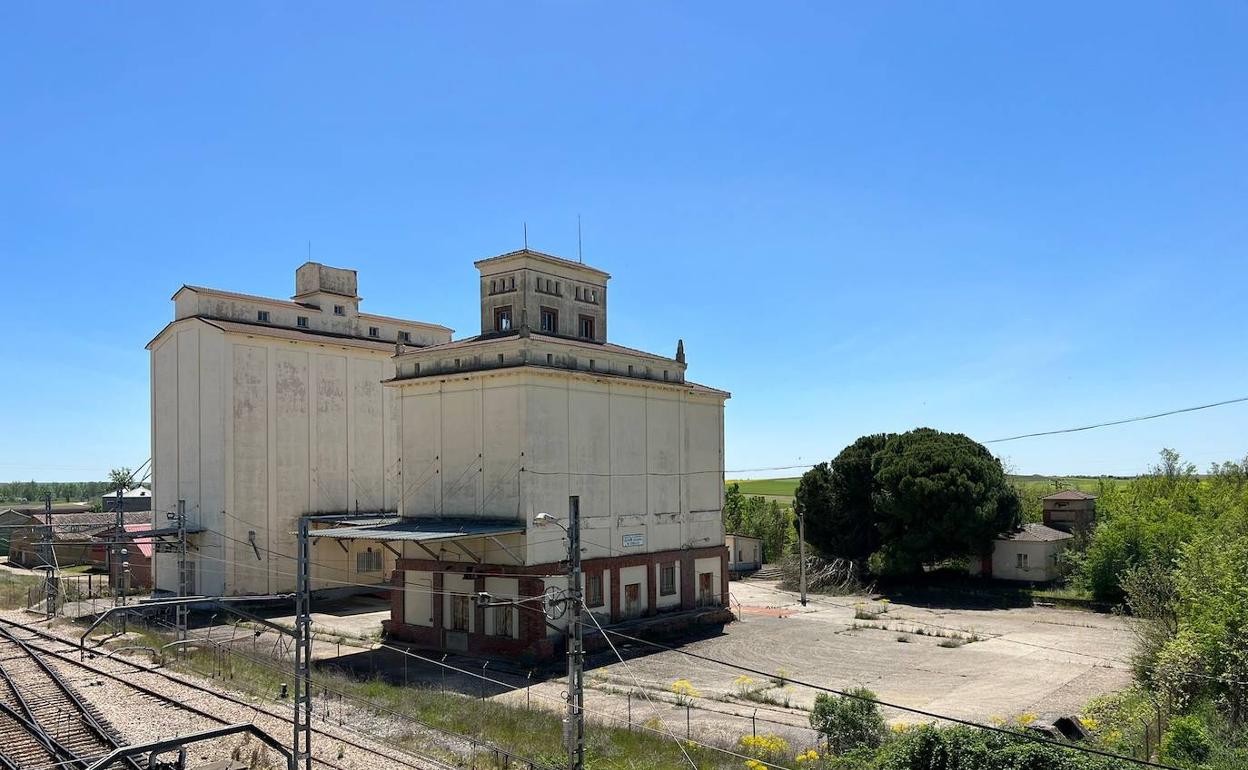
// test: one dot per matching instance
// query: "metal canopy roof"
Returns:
(424, 530)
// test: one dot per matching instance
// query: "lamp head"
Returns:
(542, 519)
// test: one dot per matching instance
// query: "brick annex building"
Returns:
(464, 443)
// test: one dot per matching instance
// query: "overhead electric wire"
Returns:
(887, 704)
(1124, 421)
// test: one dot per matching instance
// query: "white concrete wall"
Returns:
(712, 565)
(1041, 559)
(417, 598)
(253, 432)
(645, 459)
(629, 576)
(504, 589)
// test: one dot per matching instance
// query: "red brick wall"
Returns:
(533, 642)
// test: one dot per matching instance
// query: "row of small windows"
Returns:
(303, 323)
(587, 294)
(507, 283)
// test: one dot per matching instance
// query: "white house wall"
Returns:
(253, 432)
(645, 460)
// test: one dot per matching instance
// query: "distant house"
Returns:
(74, 537)
(745, 554)
(11, 519)
(1069, 510)
(138, 554)
(137, 499)
(1031, 554)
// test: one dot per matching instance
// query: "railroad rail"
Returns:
(69, 654)
(45, 721)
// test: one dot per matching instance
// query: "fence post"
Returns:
(630, 711)
(754, 723)
(688, 729)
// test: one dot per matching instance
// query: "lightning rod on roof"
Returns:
(526, 236)
(580, 257)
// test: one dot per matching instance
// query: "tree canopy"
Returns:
(837, 500)
(907, 500)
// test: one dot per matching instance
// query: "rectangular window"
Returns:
(457, 363)
(1022, 561)
(405, 336)
(502, 318)
(302, 322)
(262, 316)
(586, 327)
(502, 621)
(558, 289)
(550, 359)
(593, 589)
(339, 310)
(578, 292)
(373, 331)
(630, 370)
(667, 579)
(550, 320)
(368, 561)
(493, 287)
(500, 359)
(591, 364)
(459, 613)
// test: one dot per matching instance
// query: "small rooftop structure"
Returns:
(1069, 510)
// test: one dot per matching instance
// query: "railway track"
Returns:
(41, 642)
(45, 721)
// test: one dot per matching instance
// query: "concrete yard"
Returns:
(1039, 660)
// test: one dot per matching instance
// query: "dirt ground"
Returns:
(947, 657)
(1039, 660)
(958, 661)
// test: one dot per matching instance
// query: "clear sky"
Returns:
(860, 217)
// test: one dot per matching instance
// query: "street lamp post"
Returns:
(574, 723)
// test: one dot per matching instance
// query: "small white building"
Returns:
(1032, 554)
(745, 554)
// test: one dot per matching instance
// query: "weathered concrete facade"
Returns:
(511, 423)
(266, 410)
(259, 417)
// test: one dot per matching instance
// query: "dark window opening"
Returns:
(373, 331)
(550, 320)
(302, 322)
(667, 579)
(502, 318)
(586, 327)
(593, 589)
(262, 316)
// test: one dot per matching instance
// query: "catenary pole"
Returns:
(801, 553)
(574, 725)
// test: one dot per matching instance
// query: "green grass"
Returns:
(533, 733)
(785, 488)
(767, 487)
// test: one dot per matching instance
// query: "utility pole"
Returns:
(119, 526)
(301, 747)
(49, 556)
(801, 553)
(183, 611)
(574, 726)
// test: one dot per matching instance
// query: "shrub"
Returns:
(848, 721)
(685, 691)
(1186, 740)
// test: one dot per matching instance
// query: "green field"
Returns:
(785, 488)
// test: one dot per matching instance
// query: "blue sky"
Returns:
(860, 217)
